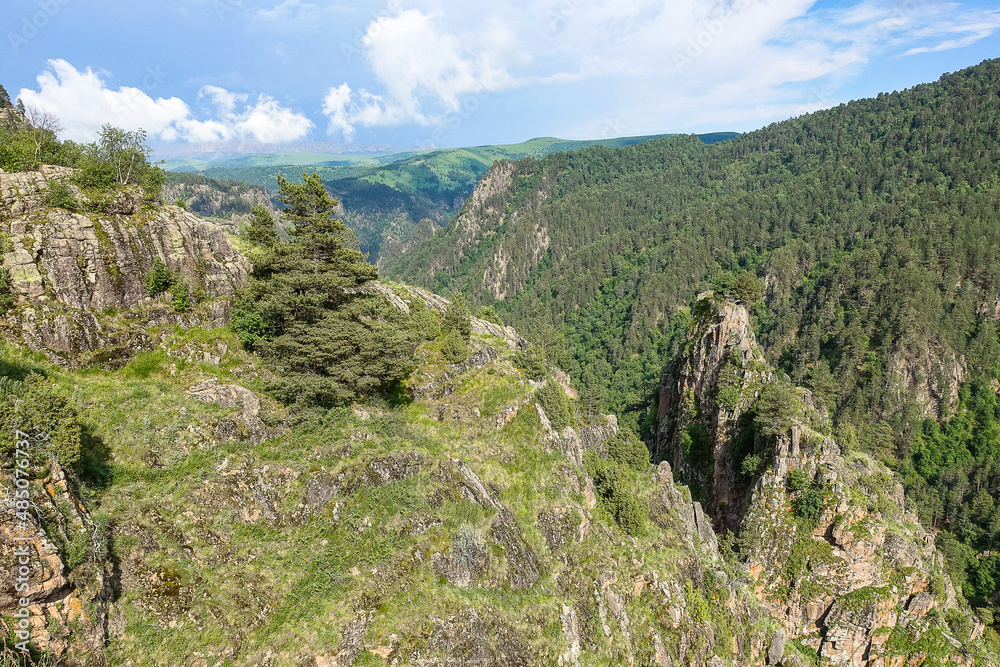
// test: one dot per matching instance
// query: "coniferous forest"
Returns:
(873, 229)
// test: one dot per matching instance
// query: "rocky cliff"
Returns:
(452, 530)
(835, 555)
(510, 240)
(75, 263)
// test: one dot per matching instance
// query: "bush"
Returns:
(7, 296)
(247, 323)
(809, 505)
(454, 349)
(628, 450)
(159, 279)
(797, 479)
(960, 624)
(60, 196)
(751, 464)
(456, 317)
(46, 415)
(612, 484)
(555, 403)
(180, 296)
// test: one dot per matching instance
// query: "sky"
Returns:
(451, 73)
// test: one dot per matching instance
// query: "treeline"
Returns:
(873, 226)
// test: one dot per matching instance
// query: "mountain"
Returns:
(871, 229)
(176, 154)
(208, 197)
(387, 195)
(479, 516)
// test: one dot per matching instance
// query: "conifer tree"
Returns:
(327, 340)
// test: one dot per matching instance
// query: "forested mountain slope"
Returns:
(387, 195)
(874, 228)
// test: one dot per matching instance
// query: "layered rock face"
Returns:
(836, 557)
(70, 575)
(68, 268)
(724, 342)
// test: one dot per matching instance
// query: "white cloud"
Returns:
(83, 103)
(656, 64)
(224, 101)
(287, 11)
(428, 72)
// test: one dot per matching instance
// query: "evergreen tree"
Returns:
(327, 339)
(261, 230)
(456, 317)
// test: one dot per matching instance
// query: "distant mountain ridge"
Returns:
(387, 195)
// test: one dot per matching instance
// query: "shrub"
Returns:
(696, 605)
(180, 296)
(454, 349)
(797, 479)
(960, 623)
(46, 415)
(247, 323)
(809, 505)
(60, 196)
(628, 450)
(456, 317)
(555, 403)
(751, 464)
(7, 296)
(159, 279)
(612, 484)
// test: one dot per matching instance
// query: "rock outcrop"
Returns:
(723, 345)
(835, 556)
(72, 271)
(69, 572)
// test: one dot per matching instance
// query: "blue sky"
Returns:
(455, 73)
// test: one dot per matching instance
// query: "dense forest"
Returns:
(875, 230)
(388, 195)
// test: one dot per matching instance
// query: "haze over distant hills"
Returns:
(230, 150)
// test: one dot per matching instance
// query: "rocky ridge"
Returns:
(71, 272)
(835, 555)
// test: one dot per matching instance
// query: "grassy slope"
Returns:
(221, 557)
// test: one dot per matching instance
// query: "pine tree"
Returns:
(261, 230)
(327, 340)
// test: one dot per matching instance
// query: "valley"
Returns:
(658, 400)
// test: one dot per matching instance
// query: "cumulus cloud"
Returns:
(83, 103)
(657, 63)
(427, 70)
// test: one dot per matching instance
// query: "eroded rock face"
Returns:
(69, 600)
(68, 267)
(689, 385)
(860, 568)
